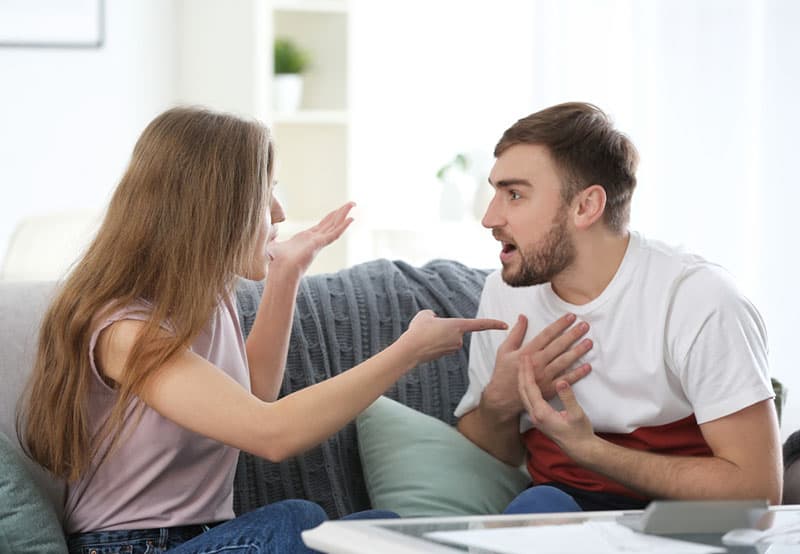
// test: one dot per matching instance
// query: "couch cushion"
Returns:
(340, 320)
(418, 466)
(28, 521)
(22, 306)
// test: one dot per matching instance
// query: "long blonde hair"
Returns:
(181, 224)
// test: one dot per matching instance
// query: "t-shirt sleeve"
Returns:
(717, 345)
(138, 311)
(482, 353)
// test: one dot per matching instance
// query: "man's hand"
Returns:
(494, 424)
(569, 428)
(745, 445)
(298, 252)
(555, 351)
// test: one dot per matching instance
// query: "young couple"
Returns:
(144, 389)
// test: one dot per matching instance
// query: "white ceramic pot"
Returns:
(287, 92)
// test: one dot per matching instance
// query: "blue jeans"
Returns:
(558, 497)
(272, 529)
(542, 499)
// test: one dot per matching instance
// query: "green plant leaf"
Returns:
(460, 161)
(289, 58)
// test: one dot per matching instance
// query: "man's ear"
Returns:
(589, 206)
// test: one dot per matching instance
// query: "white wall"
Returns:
(69, 117)
(431, 80)
(779, 261)
(224, 55)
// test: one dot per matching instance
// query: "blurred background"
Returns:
(399, 107)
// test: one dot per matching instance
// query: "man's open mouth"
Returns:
(508, 247)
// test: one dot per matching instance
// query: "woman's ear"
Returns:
(590, 204)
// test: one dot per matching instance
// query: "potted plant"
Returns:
(290, 63)
(464, 188)
(455, 177)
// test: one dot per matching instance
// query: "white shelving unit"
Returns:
(313, 142)
(226, 60)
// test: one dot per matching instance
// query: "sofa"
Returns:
(340, 319)
(402, 453)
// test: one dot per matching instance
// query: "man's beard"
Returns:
(554, 253)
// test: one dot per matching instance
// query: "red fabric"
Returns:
(547, 462)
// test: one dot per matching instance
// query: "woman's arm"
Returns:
(268, 341)
(198, 396)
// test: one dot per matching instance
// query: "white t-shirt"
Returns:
(673, 338)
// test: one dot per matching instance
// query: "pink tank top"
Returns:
(160, 475)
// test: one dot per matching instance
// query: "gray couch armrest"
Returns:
(22, 306)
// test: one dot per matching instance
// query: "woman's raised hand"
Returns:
(430, 337)
(299, 251)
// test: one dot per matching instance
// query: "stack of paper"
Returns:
(785, 529)
(597, 537)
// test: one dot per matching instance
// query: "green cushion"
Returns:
(416, 465)
(28, 522)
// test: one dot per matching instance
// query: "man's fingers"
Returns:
(565, 360)
(575, 375)
(540, 411)
(524, 378)
(563, 343)
(549, 334)
(515, 336)
(523, 394)
(567, 397)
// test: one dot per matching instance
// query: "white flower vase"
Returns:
(287, 92)
(451, 203)
(481, 199)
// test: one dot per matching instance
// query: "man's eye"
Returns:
(514, 195)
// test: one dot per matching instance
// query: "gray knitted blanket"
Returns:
(340, 320)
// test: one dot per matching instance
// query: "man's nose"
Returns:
(492, 217)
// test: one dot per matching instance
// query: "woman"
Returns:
(144, 390)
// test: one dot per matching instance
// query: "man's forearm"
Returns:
(682, 477)
(498, 436)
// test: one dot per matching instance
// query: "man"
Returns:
(646, 376)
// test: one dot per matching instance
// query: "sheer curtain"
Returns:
(707, 91)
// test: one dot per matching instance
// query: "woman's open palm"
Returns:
(300, 250)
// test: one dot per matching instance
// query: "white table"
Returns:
(406, 536)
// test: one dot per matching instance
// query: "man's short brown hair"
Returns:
(587, 149)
